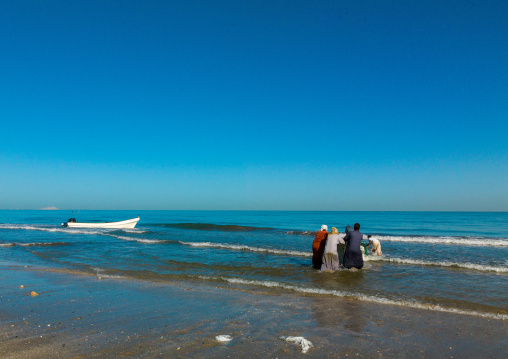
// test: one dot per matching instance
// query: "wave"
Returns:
(247, 248)
(36, 244)
(101, 273)
(464, 241)
(471, 266)
(358, 296)
(89, 231)
(217, 245)
(139, 240)
(55, 229)
(238, 247)
(133, 230)
(212, 227)
(302, 233)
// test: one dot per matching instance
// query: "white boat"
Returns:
(130, 223)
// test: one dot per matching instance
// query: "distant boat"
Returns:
(130, 223)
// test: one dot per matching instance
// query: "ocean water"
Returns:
(440, 261)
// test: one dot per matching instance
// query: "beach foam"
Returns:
(133, 230)
(55, 229)
(7, 244)
(464, 241)
(365, 298)
(101, 273)
(139, 240)
(471, 266)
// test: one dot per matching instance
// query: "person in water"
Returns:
(318, 246)
(353, 255)
(375, 246)
(331, 256)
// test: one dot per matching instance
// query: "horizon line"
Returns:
(245, 210)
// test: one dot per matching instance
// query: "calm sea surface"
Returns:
(443, 261)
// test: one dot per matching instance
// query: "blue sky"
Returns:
(262, 105)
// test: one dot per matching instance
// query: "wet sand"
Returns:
(81, 316)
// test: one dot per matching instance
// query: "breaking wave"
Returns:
(101, 273)
(471, 266)
(133, 230)
(358, 296)
(247, 248)
(55, 229)
(464, 241)
(89, 231)
(139, 240)
(236, 247)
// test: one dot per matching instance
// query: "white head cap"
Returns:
(324, 227)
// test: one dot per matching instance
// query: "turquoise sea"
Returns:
(440, 261)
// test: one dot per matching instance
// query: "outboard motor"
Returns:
(71, 220)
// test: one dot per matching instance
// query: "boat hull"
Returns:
(130, 223)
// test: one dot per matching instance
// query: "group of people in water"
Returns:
(330, 251)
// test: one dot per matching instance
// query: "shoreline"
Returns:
(80, 315)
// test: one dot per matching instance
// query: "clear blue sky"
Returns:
(277, 105)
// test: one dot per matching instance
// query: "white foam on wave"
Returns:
(112, 276)
(471, 266)
(479, 242)
(53, 229)
(139, 240)
(247, 248)
(365, 298)
(101, 232)
(101, 273)
(133, 230)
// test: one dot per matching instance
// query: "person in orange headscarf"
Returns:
(318, 246)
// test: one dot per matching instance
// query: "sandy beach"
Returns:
(78, 315)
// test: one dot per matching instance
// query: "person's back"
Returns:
(330, 257)
(331, 243)
(353, 254)
(318, 247)
(376, 247)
